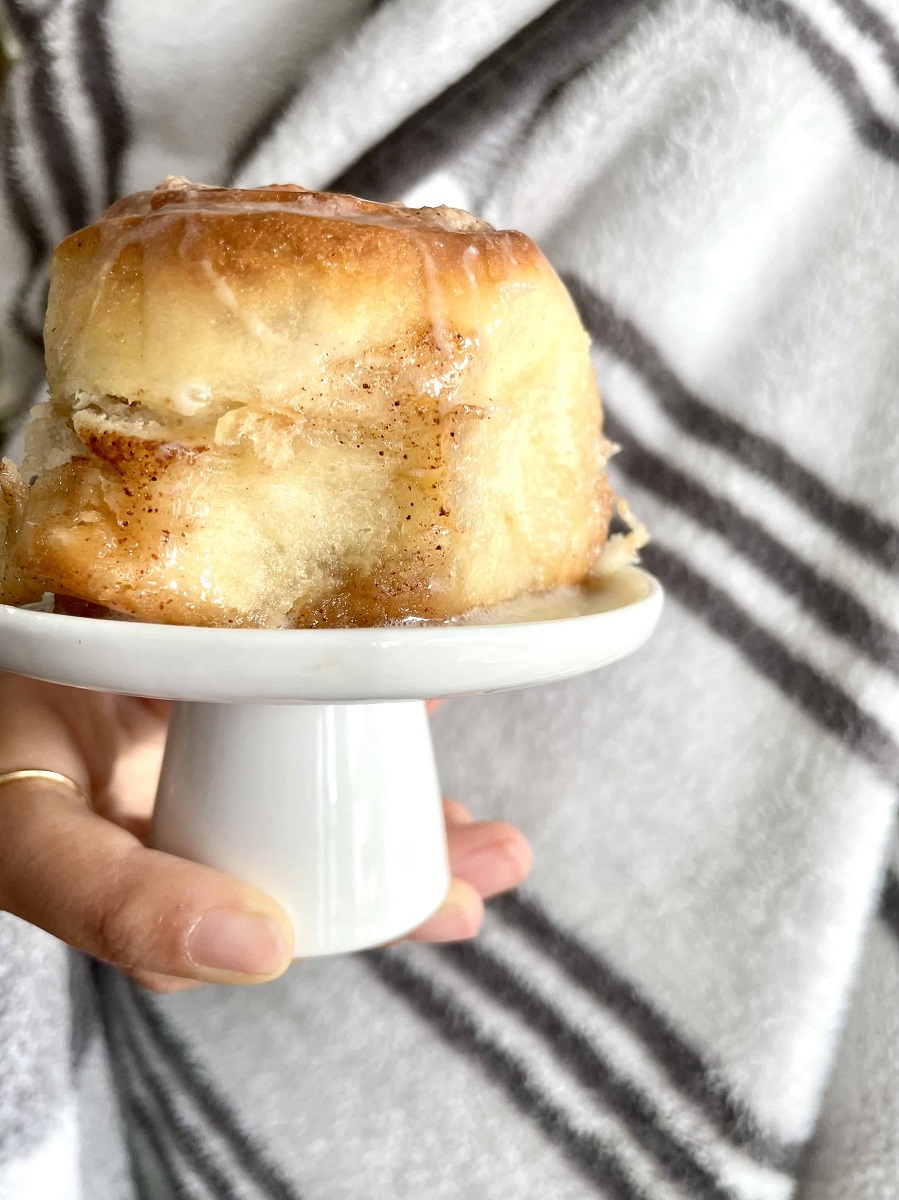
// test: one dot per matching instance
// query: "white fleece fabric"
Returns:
(696, 994)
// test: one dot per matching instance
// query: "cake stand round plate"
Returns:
(300, 760)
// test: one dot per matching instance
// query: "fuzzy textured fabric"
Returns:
(696, 995)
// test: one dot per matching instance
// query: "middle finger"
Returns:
(490, 855)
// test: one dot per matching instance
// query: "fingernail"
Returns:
(241, 943)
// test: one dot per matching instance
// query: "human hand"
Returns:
(82, 872)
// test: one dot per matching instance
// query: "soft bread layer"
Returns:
(299, 410)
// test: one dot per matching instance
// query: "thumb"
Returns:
(95, 886)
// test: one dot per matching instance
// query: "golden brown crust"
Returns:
(278, 407)
(16, 586)
(188, 299)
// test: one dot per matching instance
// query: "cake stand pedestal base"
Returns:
(333, 809)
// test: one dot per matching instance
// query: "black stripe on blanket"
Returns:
(876, 26)
(143, 1120)
(170, 1130)
(865, 531)
(84, 1022)
(889, 901)
(588, 1153)
(535, 61)
(597, 1074)
(834, 606)
(137, 1116)
(98, 73)
(822, 699)
(23, 21)
(874, 130)
(681, 1062)
(53, 134)
(23, 209)
(245, 1150)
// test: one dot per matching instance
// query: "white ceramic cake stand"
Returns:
(300, 760)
